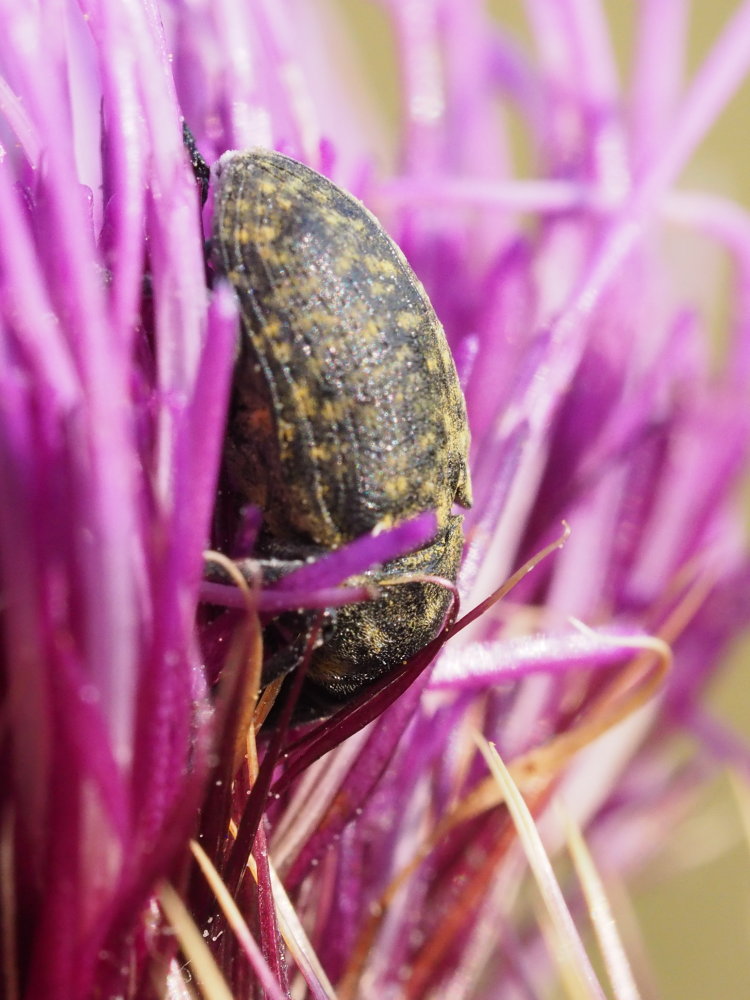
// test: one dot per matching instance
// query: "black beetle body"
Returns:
(346, 413)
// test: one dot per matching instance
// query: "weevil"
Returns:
(346, 413)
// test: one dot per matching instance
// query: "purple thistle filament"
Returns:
(592, 398)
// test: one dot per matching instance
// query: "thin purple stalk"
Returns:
(657, 74)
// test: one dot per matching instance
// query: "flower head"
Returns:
(592, 399)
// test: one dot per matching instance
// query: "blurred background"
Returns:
(693, 909)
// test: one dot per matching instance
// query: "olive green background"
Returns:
(693, 911)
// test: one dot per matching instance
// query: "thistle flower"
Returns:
(591, 397)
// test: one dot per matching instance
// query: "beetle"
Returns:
(346, 414)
